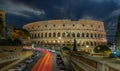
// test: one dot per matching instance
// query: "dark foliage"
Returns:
(74, 47)
(6, 42)
(101, 48)
(65, 48)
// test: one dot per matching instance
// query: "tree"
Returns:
(17, 41)
(65, 48)
(1, 25)
(19, 33)
(26, 32)
(74, 47)
(101, 48)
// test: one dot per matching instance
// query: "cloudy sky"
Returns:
(20, 12)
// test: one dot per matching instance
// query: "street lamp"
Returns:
(59, 44)
(87, 48)
(59, 37)
(71, 41)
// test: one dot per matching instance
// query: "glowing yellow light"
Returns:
(58, 41)
(54, 41)
(45, 41)
(49, 41)
(62, 41)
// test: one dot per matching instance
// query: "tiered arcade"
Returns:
(87, 33)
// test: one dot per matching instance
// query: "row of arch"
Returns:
(65, 26)
(85, 43)
(66, 34)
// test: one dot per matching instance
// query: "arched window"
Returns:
(95, 35)
(91, 44)
(101, 36)
(73, 34)
(68, 34)
(91, 35)
(49, 34)
(98, 35)
(54, 25)
(38, 42)
(58, 34)
(63, 34)
(87, 35)
(54, 34)
(87, 43)
(45, 34)
(83, 34)
(38, 35)
(41, 34)
(63, 25)
(35, 35)
(83, 25)
(78, 34)
(35, 43)
(45, 25)
(73, 25)
(95, 43)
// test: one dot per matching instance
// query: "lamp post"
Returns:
(71, 40)
(59, 44)
(87, 47)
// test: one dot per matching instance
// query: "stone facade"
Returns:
(88, 33)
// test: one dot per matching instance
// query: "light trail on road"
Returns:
(44, 63)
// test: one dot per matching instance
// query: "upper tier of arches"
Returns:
(66, 24)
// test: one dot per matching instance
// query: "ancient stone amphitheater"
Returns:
(59, 33)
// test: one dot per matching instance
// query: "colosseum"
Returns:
(60, 33)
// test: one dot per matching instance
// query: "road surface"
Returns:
(29, 66)
(44, 63)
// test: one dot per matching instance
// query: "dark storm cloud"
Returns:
(33, 10)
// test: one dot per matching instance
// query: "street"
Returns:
(29, 66)
(46, 61)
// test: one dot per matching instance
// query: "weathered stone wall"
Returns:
(89, 64)
(62, 32)
(18, 56)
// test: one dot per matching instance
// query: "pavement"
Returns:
(54, 65)
(110, 62)
(66, 59)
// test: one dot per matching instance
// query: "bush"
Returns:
(101, 48)
(65, 48)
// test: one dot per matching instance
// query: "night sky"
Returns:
(20, 12)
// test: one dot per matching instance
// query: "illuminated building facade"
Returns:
(87, 33)
(2, 25)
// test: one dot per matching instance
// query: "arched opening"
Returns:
(87, 35)
(73, 34)
(45, 34)
(58, 34)
(54, 34)
(78, 34)
(63, 34)
(83, 34)
(49, 34)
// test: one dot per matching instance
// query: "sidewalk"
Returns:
(23, 56)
